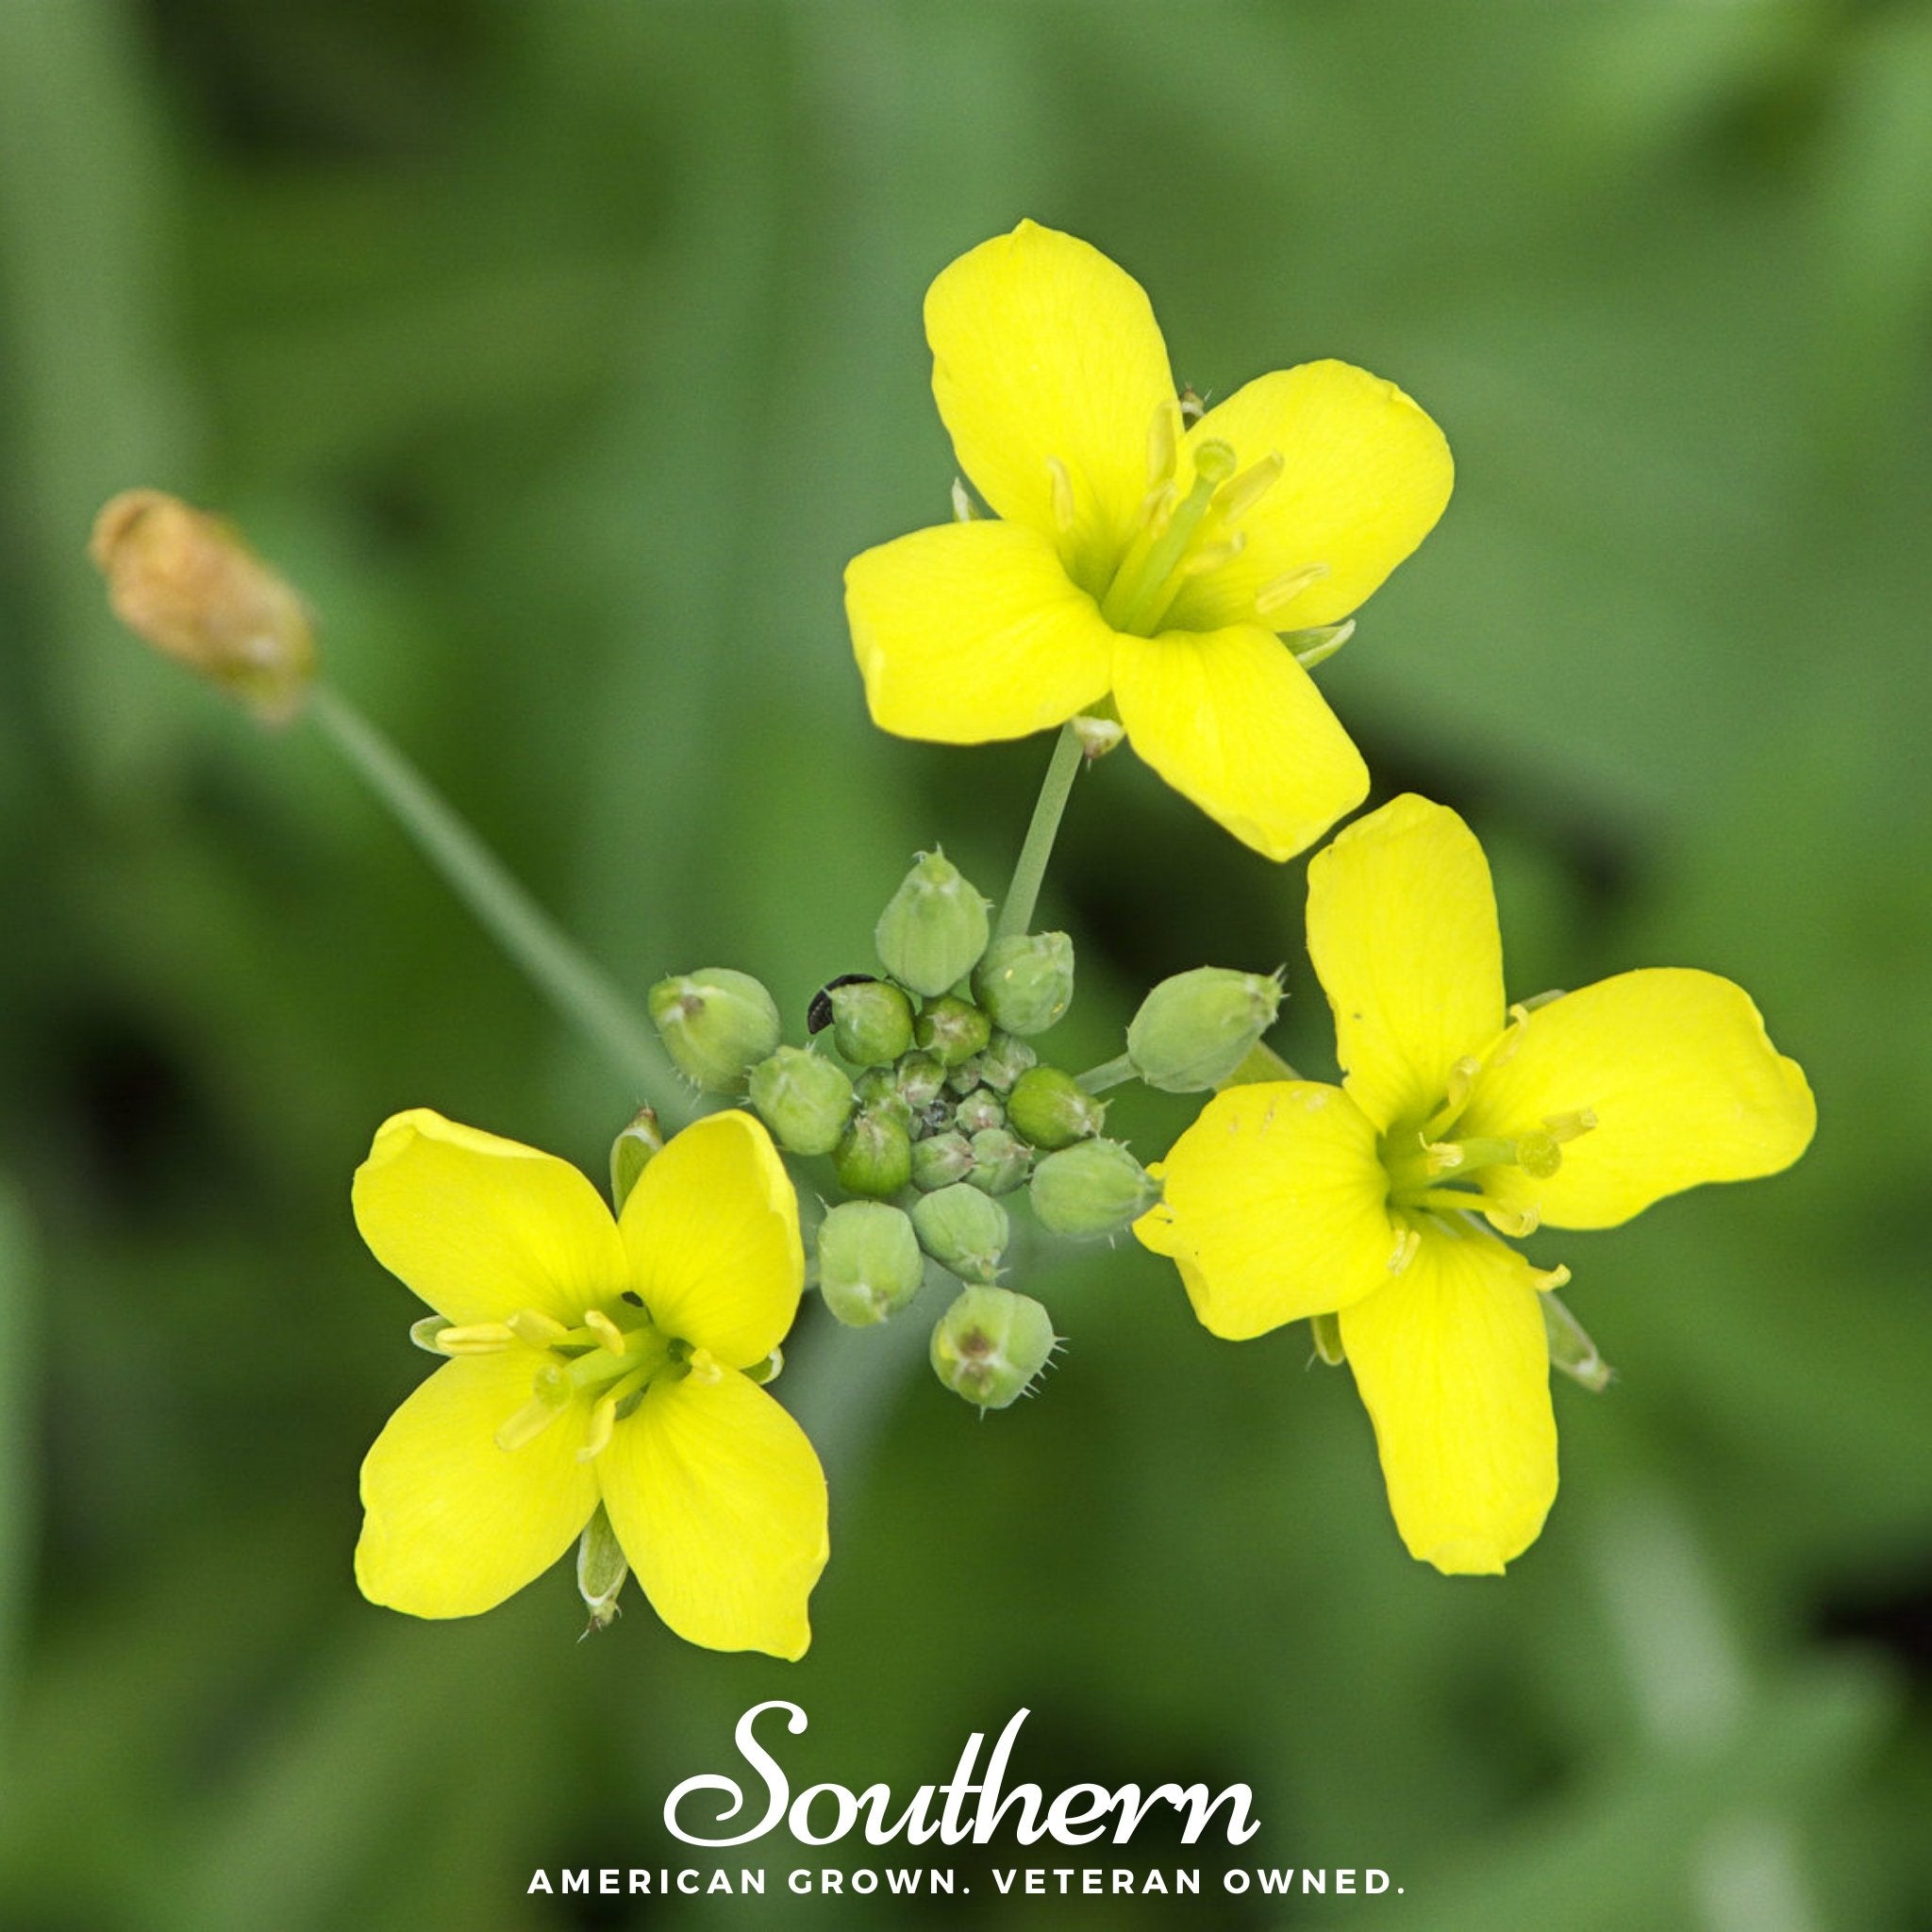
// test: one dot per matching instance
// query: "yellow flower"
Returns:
(1294, 1198)
(593, 1359)
(1137, 556)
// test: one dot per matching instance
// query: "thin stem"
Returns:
(1016, 915)
(1108, 1074)
(579, 990)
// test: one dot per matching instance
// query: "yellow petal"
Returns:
(712, 1231)
(1402, 928)
(1453, 1367)
(480, 1226)
(1232, 722)
(1273, 1207)
(1684, 1084)
(453, 1523)
(1044, 352)
(974, 631)
(720, 1504)
(1365, 476)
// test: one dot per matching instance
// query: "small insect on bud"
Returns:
(1193, 1030)
(1000, 1162)
(184, 581)
(991, 1344)
(805, 1100)
(940, 1160)
(1025, 983)
(963, 1229)
(1003, 1060)
(874, 1159)
(870, 1264)
(1093, 1189)
(953, 1030)
(631, 1151)
(931, 935)
(1051, 1109)
(716, 1025)
(871, 1022)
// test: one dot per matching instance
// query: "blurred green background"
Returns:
(563, 353)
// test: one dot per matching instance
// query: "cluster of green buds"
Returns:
(920, 1085)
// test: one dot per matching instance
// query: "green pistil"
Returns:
(1429, 1174)
(1148, 579)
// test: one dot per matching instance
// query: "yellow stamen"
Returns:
(597, 1437)
(605, 1330)
(535, 1328)
(1406, 1243)
(1163, 442)
(550, 1398)
(1285, 588)
(1511, 1221)
(476, 1337)
(1215, 555)
(1237, 498)
(705, 1367)
(1570, 1126)
(1547, 1278)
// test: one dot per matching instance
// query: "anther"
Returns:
(1512, 1221)
(537, 1330)
(1215, 555)
(1062, 495)
(603, 1423)
(705, 1367)
(1237, 498)
(550, 1397)
(1570, 1126)
(1441, 1157)
(605, 1330)
(1547, 1278)
(1282, 592)
(1512, 1037)
(1406, 1243)
(1163, 442)
(476, 1338)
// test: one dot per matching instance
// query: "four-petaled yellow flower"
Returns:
(593, 1360)
(1135, 555)
(1293, 1198)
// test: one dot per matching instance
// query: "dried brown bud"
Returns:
(188, 584)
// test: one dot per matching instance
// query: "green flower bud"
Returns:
(953, 1030)
(631, 1151)
(963, 1229)
(871, 1022)
(921, 1079)
(716, 1025)
(1026, 982)
(870, 1265)
(991, 1343)
(1093, 1189)
(1004, 1059)
(804, 1099)
(879, 1092)
(1193, 1030)
(964, 1078)
(1050, 1108)
(874, 1157)
(931, 935)
(999, 1162)
(941, 1161)
(980, 1110)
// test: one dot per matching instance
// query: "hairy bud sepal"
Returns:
(932, 932)
(1051, 1109)
(1025, 982)
(716, 1023)
(875, 1158)
(871, 1022)
(1094, 1189)
(803, 1098)
(870, 1263)
(1194, 1030)
(991, 1344)
(963, 1229)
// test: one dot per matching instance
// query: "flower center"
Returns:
(1183, 535)
(612, 1355)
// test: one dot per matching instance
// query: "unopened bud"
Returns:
(1000, 1162)
(875, 1158)
(803, 1098)
(922, 1078)
(980, 1110)
(991, 1343)
(871, 1022)
(184, 581)
(1004, 1059)
(931, 935)
(630, 1154)
(952, 1029)
(879, 1092)
(870, 1265)
(940, 1160)
(1193, 1030)
(1093, 1189)
(963, 1229)
(1097, 736)
(601, 1571)
(1051, 1109)
(1025, 982)
(716, 1025)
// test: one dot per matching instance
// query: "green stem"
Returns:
(1016, 915)
(1108, 1074)
(578, 990)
